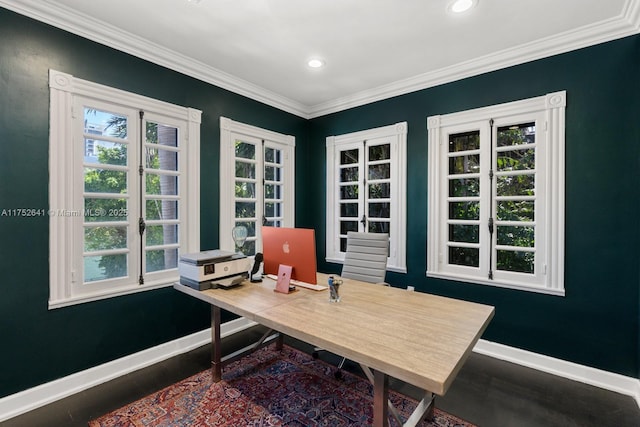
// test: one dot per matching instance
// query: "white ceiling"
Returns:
(373, 49)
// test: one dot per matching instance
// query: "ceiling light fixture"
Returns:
(315, 63)
(460, 6)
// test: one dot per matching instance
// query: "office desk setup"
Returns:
(418, 338)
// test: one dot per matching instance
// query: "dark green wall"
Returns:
(40, 345)
(596, 323)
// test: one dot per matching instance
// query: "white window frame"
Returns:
(230, 131)
(396, 135)
(549, 113)
(66, 187)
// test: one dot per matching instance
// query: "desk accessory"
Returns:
(257, 260)
(313, 287)
(334, 286)
(239, 233)
(283, 284)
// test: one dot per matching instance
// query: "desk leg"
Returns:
(380, 399)
(423, 411)
(216, 345)
(279, 341)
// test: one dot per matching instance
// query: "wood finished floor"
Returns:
(487, 392)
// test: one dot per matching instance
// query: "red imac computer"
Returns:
(290, 246)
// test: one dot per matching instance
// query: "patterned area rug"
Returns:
(266, 388)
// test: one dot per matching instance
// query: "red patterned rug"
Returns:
(266, 388)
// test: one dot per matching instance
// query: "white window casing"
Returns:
(546, 115)
(69, 96)
(359, 145)
(265, 141)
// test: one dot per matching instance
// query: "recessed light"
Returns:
(315, 63)
(459, 6)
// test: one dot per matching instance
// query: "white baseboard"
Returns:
(584, 374)
(28, 400)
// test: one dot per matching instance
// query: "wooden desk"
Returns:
(418, 338)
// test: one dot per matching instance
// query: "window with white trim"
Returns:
(496, 195)
(257, 174)
(366, 190)
(124, 190)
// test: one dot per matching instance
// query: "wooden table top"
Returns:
(416, 337)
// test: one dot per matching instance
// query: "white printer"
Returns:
(214, 268)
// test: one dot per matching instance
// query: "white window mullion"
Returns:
(363, 196)
(487, 199)
(363, 202)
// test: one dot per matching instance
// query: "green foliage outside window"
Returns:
(515, 178)
(113, 209)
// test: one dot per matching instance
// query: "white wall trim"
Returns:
(68, 97)
(626, 24)
(396, 136)
(562, 368)
(230, 131)
(68, 19)
(33, 398)
(548, 112)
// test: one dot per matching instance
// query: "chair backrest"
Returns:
(366, 257)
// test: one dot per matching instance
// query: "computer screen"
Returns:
(290, 246)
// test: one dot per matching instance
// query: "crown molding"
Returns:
(632, 14)
(625, 24)
(98, 31)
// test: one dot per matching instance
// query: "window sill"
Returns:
(81, 299)
(498, 284)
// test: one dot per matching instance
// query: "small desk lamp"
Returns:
(239, 233)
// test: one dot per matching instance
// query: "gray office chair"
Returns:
(366, 257)
(364, 260)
